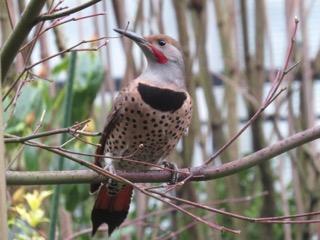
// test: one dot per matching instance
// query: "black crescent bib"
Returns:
(162, 99)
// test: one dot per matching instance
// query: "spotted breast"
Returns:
(149, 125)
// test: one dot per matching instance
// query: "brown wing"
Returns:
(111, 122)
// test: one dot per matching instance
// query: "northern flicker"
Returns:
(148, 118)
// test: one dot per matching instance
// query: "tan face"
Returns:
(164, 49)
(158, 48)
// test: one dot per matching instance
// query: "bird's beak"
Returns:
(141, 41)
(133, 36)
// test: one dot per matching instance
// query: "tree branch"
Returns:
(71, 130)
(201, 173)
(271, 96)
(20, 32)
(3, 187)
(66, 12)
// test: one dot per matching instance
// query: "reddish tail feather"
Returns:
(111, 210)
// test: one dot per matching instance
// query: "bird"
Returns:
(147, 119)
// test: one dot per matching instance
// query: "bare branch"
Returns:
(280, 219)
(57, 23)
(166, 211)
(46, 17)
(201, 173)
(20, 32)
(71, 130)
(108, 174)
(70, 49)
(270, 97)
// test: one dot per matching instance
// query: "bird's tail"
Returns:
(111, 209)
(113, 198)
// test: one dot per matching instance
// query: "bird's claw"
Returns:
(95, 187)
(175, 172)
(110, 168)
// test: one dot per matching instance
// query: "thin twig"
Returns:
(280, 219)
(46, 17)
(65, 51)
(108, 174)
(74, 130)
(26, 60)
(71, 130)
(57, 23)
(27, 68)
(38, 126)
(270, 97)
(166, 211)
(199, 173)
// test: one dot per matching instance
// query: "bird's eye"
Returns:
(162, 42)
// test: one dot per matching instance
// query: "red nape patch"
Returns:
(161, 58)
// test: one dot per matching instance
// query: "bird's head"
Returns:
(158, 48)
(162, 52)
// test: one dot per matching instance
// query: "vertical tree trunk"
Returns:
(225, 23)
(284, 200)
(316, 64)
(5, 31)
(24, 26)
(255, 80)
(7, 24)
(308, 163)
(215, 114)
(65, 218)
(142, 206)
(188, 191)
(291, 7)
(119, 10)
(3, 191)
(110, 84)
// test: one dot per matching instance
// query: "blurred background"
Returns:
(232, 51)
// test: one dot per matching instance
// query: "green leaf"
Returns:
(61, 66)
(31, 156)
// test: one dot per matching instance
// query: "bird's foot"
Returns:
(174, 169)
(111, 170)
(94, 187)
(173, 183)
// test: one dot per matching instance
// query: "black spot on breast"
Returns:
(162, 99)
